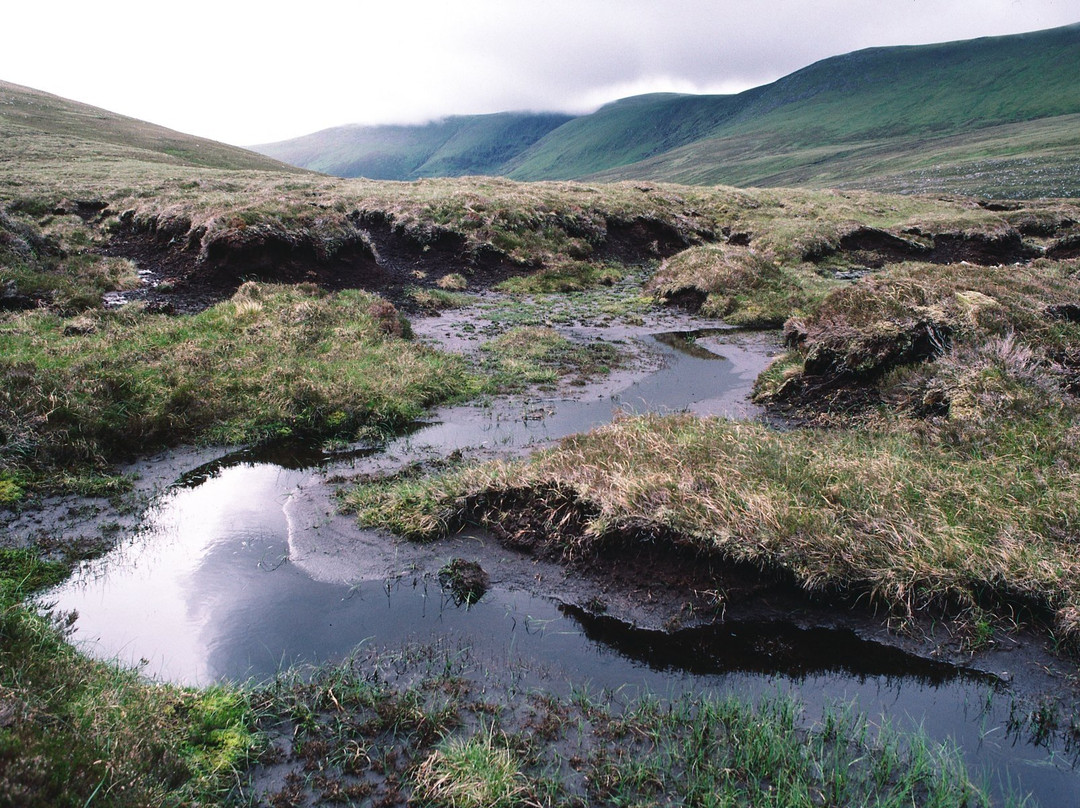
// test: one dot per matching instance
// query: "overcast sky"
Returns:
(245, 72)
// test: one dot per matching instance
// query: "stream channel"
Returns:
(243, 567)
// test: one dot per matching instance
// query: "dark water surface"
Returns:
(226, 582)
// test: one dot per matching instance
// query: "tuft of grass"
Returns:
(539, 355)
(453, 282)
(476, 772)
(23, 572)
(564, 276)
(435, 300)
(914, 312)
(744, 286)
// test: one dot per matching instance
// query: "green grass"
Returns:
(66, 123)
(426, 727)
(530, 355)
(476, 772)
(271, 362)
(77, 732)
(570, 276)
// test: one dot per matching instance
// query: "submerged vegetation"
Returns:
(422, 727)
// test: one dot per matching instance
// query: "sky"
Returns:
(248, 73)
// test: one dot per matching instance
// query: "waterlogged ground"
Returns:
(242, 567)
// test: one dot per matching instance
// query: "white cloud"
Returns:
(245, 73)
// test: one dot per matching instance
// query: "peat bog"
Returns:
(875, 535)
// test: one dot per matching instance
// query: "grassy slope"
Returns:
(841, 118)
(627, 131)
(1030, 159)
(62, 122)
(452, 147)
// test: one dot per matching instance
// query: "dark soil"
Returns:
(647, 574)
(1067, 247)
(631, 242)
(192, 272)
(466, 581)
(874, 248)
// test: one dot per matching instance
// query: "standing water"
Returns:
(244, 569)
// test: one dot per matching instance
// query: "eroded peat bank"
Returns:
(564, 542)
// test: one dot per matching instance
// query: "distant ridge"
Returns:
(452, 147)
(900, 118)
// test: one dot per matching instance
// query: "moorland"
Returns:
(924, 470)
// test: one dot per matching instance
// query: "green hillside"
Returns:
(873, 116)
(452, 147)
(987, 115)
(33, 121)
(623, 132)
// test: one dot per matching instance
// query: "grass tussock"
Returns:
(744, 286)
(270, 362)
(563, 276)
(538, 355)
(476, 772)
(917, 311)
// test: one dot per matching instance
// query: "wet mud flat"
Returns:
(242, 568)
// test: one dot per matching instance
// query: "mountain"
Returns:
(42, 121)
(878, 103)
(901, 118)
(453, 147)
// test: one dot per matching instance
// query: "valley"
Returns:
(320, 490)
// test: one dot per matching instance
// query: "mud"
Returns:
(1064, 248)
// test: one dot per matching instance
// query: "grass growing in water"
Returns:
(537, 355)
(567, 276)
(475, 772)
(426, 726)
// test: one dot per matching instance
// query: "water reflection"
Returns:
(224, 582)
